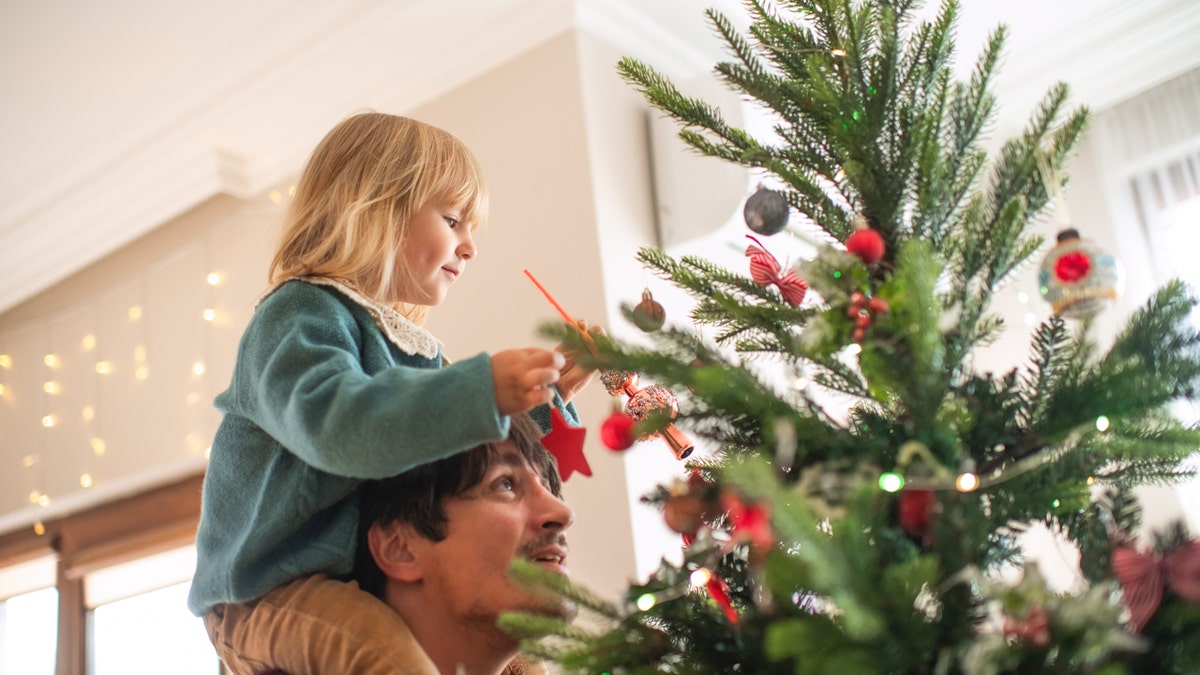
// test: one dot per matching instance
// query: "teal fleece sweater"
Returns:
(328, 390)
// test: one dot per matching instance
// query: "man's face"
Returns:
(510, 514)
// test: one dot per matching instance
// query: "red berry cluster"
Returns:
(863, 311)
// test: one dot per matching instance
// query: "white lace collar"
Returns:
(399, 330)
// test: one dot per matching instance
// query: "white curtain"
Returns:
(1150, 146)
(1149, 150)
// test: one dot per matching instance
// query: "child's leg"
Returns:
(316, 626)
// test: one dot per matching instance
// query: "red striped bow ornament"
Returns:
(765, 270)
(1144, 577)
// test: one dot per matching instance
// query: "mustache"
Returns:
(543, 542)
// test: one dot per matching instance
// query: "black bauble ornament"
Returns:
(766, 212)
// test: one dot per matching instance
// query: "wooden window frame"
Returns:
(157, 520)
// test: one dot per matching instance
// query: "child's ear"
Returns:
(392, 548)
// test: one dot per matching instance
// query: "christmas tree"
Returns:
(882, 536)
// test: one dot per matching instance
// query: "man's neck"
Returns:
(459, 647)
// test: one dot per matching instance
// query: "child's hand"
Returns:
(574, 377)
(522, 378)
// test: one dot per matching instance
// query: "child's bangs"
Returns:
(462, 184)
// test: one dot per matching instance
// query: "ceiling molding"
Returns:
(250, 122)
(1104, 58)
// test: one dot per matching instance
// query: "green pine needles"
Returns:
(869, 521)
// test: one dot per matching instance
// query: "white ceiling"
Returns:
(119, 115)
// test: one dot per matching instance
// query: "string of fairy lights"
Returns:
(69, 381)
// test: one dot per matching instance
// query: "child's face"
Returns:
(433, 255)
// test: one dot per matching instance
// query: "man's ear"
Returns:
(392, 548)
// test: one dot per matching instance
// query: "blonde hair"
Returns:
(360, 189)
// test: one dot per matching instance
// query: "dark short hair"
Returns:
(417, 497)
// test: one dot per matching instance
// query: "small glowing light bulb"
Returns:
(104, 367)
(39, 529)
(646, 602)
(49, 421)
(700, 577)
(213, 278)
(967, 482)
(51, 387)
(88, 413)
(135, 313)
(88, 343)
(85, 480)
(1102, 423)
(891, 482)
(99, 447)
(198, 368)
(209, 314)
(51, 360)
(5, 361)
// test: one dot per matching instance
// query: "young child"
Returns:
(335, 383)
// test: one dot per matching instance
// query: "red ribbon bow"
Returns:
(1144, 577)
(765, 270)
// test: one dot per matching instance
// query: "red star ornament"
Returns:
(565, 442)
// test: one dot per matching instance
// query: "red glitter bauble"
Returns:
(617, 432)
(619, 382)
(914, 511)
(650, 399)
(867, 245)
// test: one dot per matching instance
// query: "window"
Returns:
(103, 592)
(28, 618)
(138, 620)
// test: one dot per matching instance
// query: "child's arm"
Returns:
(301, 379)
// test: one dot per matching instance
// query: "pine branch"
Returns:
(534, 576)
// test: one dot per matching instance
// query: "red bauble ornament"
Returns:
(914, 511)
(867, 245)
(617, 432)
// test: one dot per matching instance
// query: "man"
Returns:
(437, 542)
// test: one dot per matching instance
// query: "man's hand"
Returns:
(575, 377)
(522, 378)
